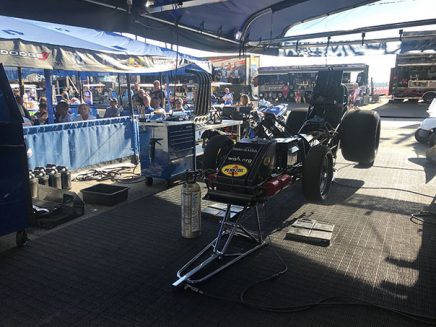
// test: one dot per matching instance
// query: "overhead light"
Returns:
(149, 3)
(238, 35)
(129, 5)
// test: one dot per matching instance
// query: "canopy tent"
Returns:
(28, 43)
(211, 25)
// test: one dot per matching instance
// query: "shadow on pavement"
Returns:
(403, 110)
(429, 168)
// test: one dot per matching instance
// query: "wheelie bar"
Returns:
(220, 247)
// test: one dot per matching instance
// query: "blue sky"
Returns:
(377, 13)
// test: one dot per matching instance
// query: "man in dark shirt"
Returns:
(157, 92)
(112, 110)
(62, 114)
(41, 117)
(23, 111)
(135, 93)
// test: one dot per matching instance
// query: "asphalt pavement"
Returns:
(115, 268)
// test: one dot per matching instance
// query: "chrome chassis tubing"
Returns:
(226, 227)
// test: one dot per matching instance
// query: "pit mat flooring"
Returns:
(116, 268)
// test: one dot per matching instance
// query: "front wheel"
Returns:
(318, 173)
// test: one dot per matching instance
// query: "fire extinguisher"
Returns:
(191, 206)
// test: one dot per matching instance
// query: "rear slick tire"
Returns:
(317, 173)
(360, 136)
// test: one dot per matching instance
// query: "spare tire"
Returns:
(216, 148)
(317, 173)
(295, 120)
(360, 136)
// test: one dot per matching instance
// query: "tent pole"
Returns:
(120, 96)
(129, 95)
(177, 64)
(49, 94)
(80, 87)
(135, 158)
(20, 81)
(167, 105)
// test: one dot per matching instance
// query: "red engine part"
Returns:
(276, 184)
(285, 179)
(273, 186)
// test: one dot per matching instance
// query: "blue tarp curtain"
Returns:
(81, 144)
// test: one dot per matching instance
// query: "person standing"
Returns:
(23, 111)
(87, 96)
(285, 91)
(227, 97)
(136, 90)
(298, 95)
(157, 92)
(138, 101)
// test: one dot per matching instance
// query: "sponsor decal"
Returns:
(239, 159)
(247, 149)
(267, 161)
(234, 170)
(24, 54)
